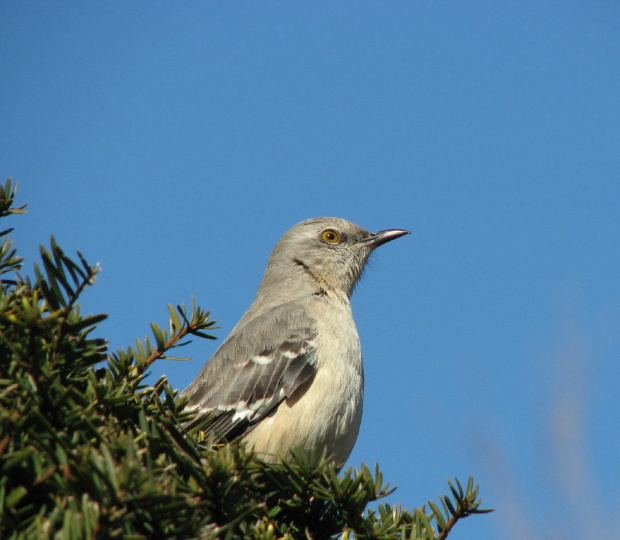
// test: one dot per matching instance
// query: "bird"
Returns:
(290, 373)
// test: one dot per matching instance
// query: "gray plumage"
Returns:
(290, 373)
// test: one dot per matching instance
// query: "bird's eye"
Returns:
(330, 236)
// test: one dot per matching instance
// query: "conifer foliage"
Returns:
(89, 450)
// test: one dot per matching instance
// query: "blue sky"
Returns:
(175, 144)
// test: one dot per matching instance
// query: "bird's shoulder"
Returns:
(266, 331)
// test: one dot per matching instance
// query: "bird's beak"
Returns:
(379, 238)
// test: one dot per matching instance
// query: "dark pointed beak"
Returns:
(379, 238)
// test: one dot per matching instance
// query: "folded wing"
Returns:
(256, 368)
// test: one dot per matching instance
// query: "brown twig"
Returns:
(451, 523)
(184, 331)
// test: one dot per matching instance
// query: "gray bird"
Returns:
(290, 373)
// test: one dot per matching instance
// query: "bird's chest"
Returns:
(340, 372)
(338, 343)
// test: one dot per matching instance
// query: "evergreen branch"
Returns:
(9, 262)
(7, 196)
(82, 278)
(466, 503)
(63, 274)
(87, 279)
(180, 326)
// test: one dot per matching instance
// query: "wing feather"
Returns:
(256, 368)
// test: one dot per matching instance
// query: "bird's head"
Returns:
(323, 253)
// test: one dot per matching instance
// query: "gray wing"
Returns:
(258, 366)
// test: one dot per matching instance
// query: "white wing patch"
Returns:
(261, 360)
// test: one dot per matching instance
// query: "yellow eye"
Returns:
(330, 236)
